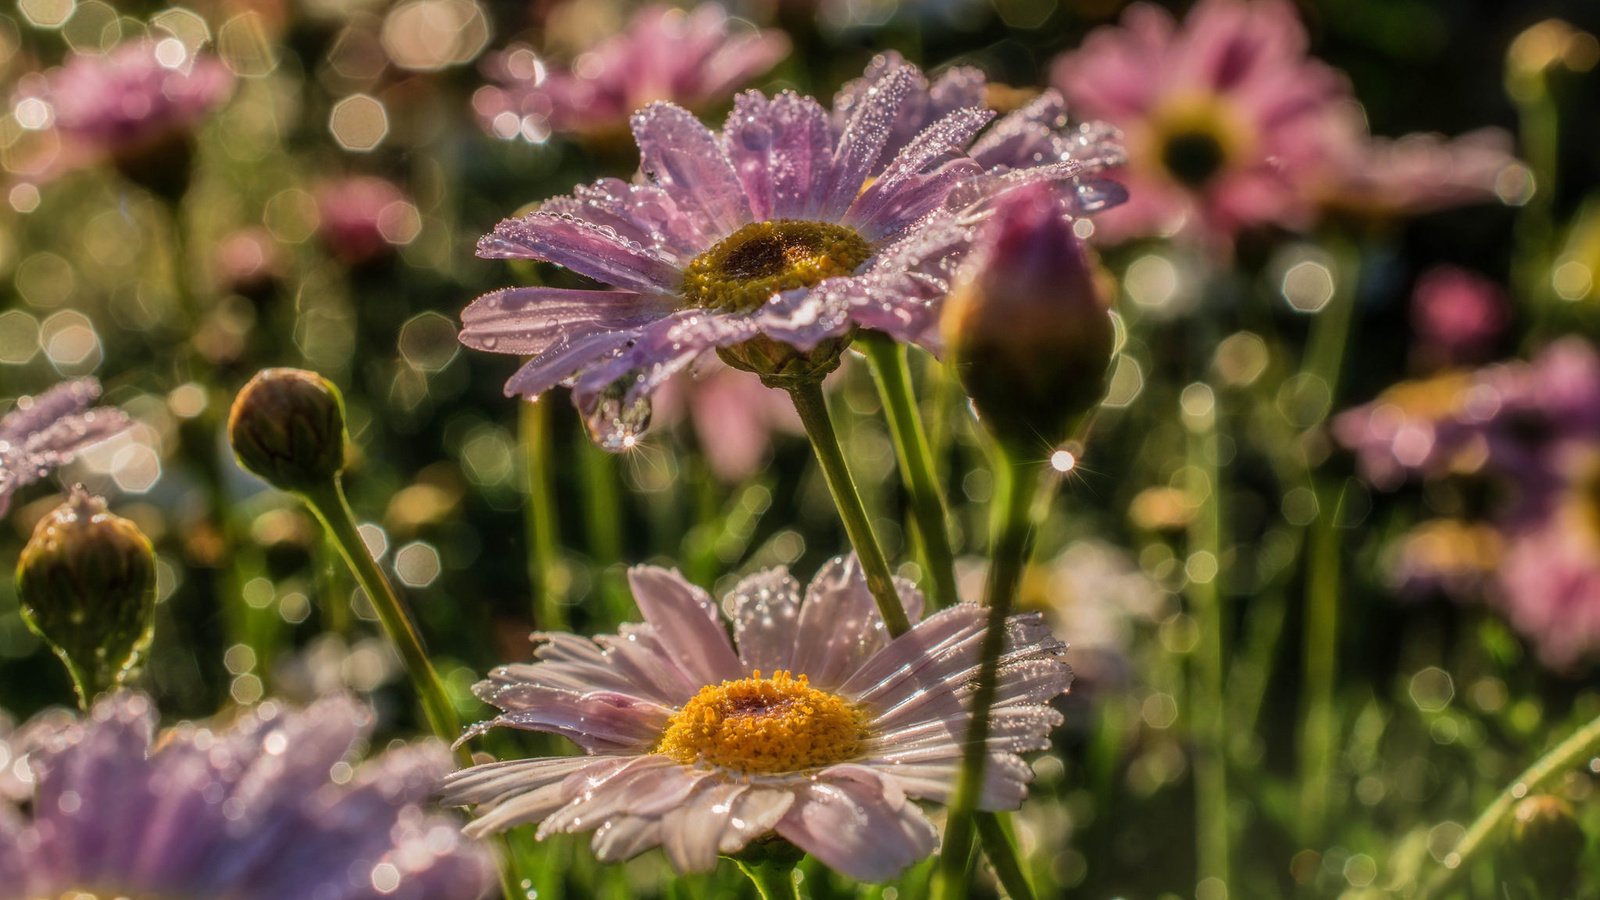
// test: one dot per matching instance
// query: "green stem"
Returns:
(893, 376)
(1318, 733)
(329, 505)
(602, 514)
(1566, 756)
(1012, 520)
(544, 562)
(1206, 691)
(773, 881)
(812, 405)
(1003, 856)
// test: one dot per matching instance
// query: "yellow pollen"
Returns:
(764, 726)
(744, 269)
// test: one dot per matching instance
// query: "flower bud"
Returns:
(86, 582)
(287, 427)
(1026, 327)
(1548, 844)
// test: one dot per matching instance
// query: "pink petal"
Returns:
(859, 825)
(686, 619)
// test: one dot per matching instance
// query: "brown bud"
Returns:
(1026, 326)
(287, 427)
(87, 585)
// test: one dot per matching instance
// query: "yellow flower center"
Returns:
(1192, 138)
(744, 269)
(764, 726)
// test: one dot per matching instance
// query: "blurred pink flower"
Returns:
(363, 217)
(1549, 579)
(136, 106)
(733, 415)
(694, 59)
(1457, 315)
(1415, 173)
(1224, 115)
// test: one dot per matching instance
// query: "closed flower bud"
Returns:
(287, 427)
(1026, 326)
(86, 582)
(1548, 844)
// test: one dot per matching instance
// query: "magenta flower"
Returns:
(781, 228)
(1225, 115)
(46, 432)
(136, 94)
(136, 106)
(1457, 315)
(812, 724)
(694, 59)
(1549, 577)
(363, 217)
(733, 415)
(267, 809)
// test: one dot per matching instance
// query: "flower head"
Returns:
(695, 59)
(137, 106)
(361, 218)
(1224, 115)
(769, 242)
(45, 432)
(249, 812)
(812, 723)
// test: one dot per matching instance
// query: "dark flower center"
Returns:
(1193, 157)
(744, 269)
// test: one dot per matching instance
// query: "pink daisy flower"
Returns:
(695, 59)
(1224, 115)
(811, 723)
(249, 812)
(782, 230)
(46, 432)
(1549, 578)
(362, 217)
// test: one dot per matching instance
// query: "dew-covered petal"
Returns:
(678, 153)
(692, 831)
(624, 837)
(561, 361)
(1005, 779)
(650, 780)
(864, 136)
(528, 321)
(686, 619)
(644, 213)
(594, 251)
(765, 608)
(839, 625)
(524, 791)
(598, 721)
(858, 824)
(917, 181)
(783, 151)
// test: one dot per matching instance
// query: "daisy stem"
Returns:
(544, 562)
(1207, 675)
(1011, 522)
(1566, 756)
(893, 375)
(812, 405)
(329, 505)
(773, 881)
